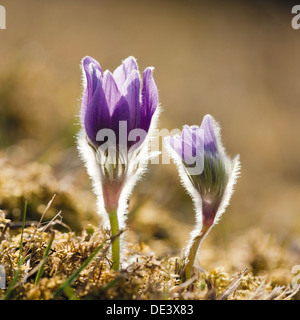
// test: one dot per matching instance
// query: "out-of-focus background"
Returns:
(237, 60)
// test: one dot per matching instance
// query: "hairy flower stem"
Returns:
(187, 268)
(114, 226)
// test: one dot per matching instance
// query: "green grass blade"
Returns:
(21, 241)
(70, 293)
(12, 284)
(112, 283)
(75, 275)
(45, 256)
(20, 260)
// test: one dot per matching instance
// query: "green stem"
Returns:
(114, 225)
(187, 271)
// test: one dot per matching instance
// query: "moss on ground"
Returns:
(255, 265)
(142, 277)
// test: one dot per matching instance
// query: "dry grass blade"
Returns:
(291, 294)
(39, 223)
(232, 287)
(7, 224)
(18, 224)
(51, 222)
(277, 292)
(259, 291)
(184, 285)
(46, 209)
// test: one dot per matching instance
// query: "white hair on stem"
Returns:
(137, 166)
(88, 156)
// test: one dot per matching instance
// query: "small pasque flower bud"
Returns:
(117, 113)
(208, 175)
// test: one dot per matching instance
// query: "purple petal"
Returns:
(189, 136)
(149, 99)
(193, 135)
(111, 91)
(124, 70)
(188, 152)
(175, 144)
(189, 146)
(210, 143)
(131, 91)
(121, 113)
(183, 149)
(93, 72)
(97, 114)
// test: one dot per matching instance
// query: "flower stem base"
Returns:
(114, 225)
(186, 271)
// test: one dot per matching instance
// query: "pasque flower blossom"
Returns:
(210, 185)
(113, 97)
(117, 113)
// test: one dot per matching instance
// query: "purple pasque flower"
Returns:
(119, 97)
(118, 112)
(210, 187)
(212, 182)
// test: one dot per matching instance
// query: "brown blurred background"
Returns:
(237, 60)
